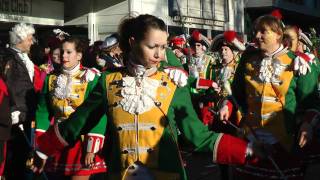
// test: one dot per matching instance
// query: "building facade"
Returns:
(303, 13)
(41, 13)
(102, 17)
(32, 11)
(182, 16)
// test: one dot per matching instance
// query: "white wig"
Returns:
(20, 32)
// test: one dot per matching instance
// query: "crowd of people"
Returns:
(118, 107)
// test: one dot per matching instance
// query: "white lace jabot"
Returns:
(139, 91)
(63, 83)
(270, 69)
(138, 95)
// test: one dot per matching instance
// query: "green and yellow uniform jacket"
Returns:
(201, 69)
(201, 74)
(62, 93)
(269, 92)
(224, 75)
(171, 60)
(143, 115)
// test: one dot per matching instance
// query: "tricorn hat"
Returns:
(197, 37)
(228, 38)
(178, 40)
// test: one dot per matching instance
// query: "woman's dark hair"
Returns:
(137, 27)
(79, 45)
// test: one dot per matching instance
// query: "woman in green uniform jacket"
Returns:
(270, 94)
(144, 109)
(63, 91)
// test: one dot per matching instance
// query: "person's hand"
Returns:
(179, 76)
(178, 53)
(216, 87)
(15, 117)
(36, 164)
(89, 159)
(224, 114)
(305, 134)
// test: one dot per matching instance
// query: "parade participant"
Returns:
(53, 61)
(111, 54)
(293, 34)
(144, 108)
(200, 63)
(298, 41)
(311, 148)
(229, 48)
(5, 124)
(268, 92)
(177, 45)
(55, 55)
(63, 92)
(55, 45)
(22, 79)
(304, 44)
(201, 67)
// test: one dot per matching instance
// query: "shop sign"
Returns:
(11, 17)
(195, 20)
(18, 7)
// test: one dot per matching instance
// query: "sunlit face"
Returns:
(151, 50)
(226, 54)
(56, 56)
(199, 50)
(70, 57)
(267, 39)
(294, 38)
(25, 45)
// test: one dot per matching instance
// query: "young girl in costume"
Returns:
(62, 93)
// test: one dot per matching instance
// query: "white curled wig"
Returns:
(19, 32)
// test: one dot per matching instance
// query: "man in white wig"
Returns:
(23, 81)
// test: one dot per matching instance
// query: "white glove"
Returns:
(224, 113)
(301, 66)
(41, 155)
(15, 117)
(178, 53)
(179, 76)
(89, 74)
(312, 58)
(216, 87)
